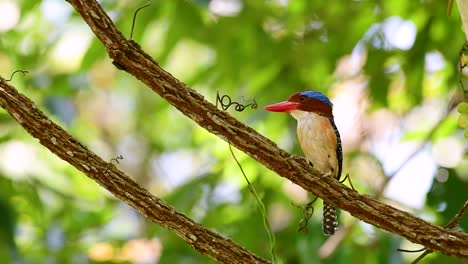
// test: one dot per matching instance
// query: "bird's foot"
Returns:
(347, 177)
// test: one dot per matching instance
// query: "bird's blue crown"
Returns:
(318, 96)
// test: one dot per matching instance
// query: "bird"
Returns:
(319, 139)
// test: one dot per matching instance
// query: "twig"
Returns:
(135, 61)
(134, 18)
(347, 177)
(13, 74)
(65, 146)
(328, 248)
(262, 208)
(308, 212)
(226, 102)
(425, 253)
(458, 217)
(261, 205)
(453, 223)
(116, 159)
(411, 251)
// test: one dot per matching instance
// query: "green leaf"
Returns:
(448, 196)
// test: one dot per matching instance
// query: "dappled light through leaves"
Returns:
(390, 68)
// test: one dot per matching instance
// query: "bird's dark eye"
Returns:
(302, 99)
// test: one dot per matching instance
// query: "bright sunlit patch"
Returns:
(411, 184)
(399, 33)
(10, 15)
(434, 61)
(142, 251)
(282, 2)
(13, 157)
(125, 223)
(226, 192)
(101, 252)
(448, 152)
(442, 175)
(418, 119)
(188, 50)
(350, 66)
(67, 54)
(225, 7)
(349, 106)
(280, 216)
(294, 192)
(178, 167)
(56, 11)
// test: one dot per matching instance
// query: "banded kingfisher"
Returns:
(319, 139)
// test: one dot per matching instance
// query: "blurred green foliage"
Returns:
(391, 67)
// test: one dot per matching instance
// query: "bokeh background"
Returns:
(390, 67)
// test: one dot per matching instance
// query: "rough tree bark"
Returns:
(62, 144)
(128, 56)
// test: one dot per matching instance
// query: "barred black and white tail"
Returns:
(329, 221)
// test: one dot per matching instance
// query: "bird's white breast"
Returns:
(318, 140)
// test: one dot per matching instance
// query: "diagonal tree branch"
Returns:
(453, 223)
(333, 242)
(62, 144)
(127, 55)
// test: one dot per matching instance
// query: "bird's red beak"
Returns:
(285, 106)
